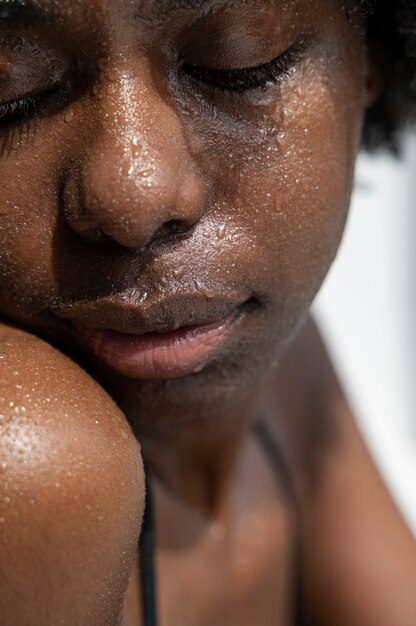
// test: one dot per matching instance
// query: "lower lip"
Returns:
(160, 356)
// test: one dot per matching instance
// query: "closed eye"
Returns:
(22, 108)
(242, 79)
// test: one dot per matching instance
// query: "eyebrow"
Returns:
(20, 12)
(182, 4)
(177, 5)
(12, 7)
(14, 13)
(15, 5)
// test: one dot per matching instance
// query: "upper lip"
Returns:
(126, 313)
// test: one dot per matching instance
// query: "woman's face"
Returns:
(151, 178)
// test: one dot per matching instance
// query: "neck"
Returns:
(196, 469)
(194, 454)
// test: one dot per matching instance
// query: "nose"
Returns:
(136, 180)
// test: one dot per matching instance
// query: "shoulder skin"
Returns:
(71, 491)
(359, 557)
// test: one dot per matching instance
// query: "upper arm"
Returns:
(71, 491)
(359, 558)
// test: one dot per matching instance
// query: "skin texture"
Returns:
(139, 195)
(71, 491)
(359, 559)
(258, 182)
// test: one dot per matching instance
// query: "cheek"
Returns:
(313, 175)
(289, 189)
(28, 216)
(319, 143)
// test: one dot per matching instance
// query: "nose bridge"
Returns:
(137, 174)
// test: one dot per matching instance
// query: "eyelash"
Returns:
(236, 80)
(23, 108)
(244, 79)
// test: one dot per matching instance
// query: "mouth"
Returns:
(163, 340)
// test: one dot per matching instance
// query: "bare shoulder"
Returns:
(71, 490)
(353, 537)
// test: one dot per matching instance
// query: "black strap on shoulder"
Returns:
(274, 457)
(285, 482)
(147, 563)
(147, 539)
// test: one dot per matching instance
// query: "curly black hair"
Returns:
(391, 28)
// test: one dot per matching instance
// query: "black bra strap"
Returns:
(147, 563)
(285, 482)
(147, 540)
(275, 459)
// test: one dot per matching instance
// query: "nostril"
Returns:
(167, 232)
(101, 237)
(96, 235)
(178, 227)
(172, 229)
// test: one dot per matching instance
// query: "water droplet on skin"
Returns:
(198, 285)
(2, 520)
(208, 293)
(145, 173)
(68, 117)
(221, 232)
(281, 136)
(186, 110)
(178, 273)
(262, 97)
(163, 281)
(143, 296)
(127, 169)
(135, 148)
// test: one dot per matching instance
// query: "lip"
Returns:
(160, 355)
(164, 339)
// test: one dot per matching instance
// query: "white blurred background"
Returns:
(367, 313)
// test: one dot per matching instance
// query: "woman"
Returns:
(175, 179)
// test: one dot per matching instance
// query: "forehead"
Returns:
(22, 6)
(11, 8)
(87, 15)
(94, 29)
(32, 12)
(83, 13)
